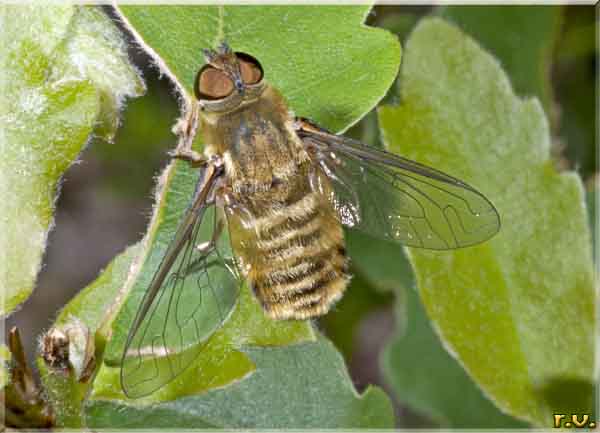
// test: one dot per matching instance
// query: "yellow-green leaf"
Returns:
(516, 311)
(57, 62)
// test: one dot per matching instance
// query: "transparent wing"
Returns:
(397, 199)
(192, 293)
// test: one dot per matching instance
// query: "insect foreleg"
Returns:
(186, 130)
(194, 158)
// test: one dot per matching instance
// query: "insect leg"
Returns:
(186, 129)
(302, 124)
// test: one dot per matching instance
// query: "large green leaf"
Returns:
(521, 37)
(300, 386)
(427, 379)
(593, 191)
(289, 58)
(421, 373)
(508, 308)
(65, 71)
(325, 61)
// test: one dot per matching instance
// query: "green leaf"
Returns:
(525, 56)
(95, 49)
(591, 200)
(421, 373)
(506, 309)
(312, 391)
(426, 378)
(54, 93)
(317, 56)
(224, 357)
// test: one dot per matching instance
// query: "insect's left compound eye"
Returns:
(250, 68)
(212, 84)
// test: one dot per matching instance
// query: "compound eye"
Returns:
(250, 68)
(212, 83)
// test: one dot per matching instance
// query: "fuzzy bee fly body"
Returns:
(283, 231)
(284, 187)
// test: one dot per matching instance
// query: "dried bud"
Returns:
(70, 350)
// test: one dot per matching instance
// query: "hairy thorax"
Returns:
(284, 232)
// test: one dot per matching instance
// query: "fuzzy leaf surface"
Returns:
(525, 56)
(499, 307)
(280, 394)
(65, 72)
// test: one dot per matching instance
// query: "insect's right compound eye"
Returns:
(250, 68)
(212, 84)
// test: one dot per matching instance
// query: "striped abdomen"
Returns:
(297, 265)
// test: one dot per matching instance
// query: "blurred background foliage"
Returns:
(548, 52)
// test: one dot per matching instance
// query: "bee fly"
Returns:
(284, 187)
